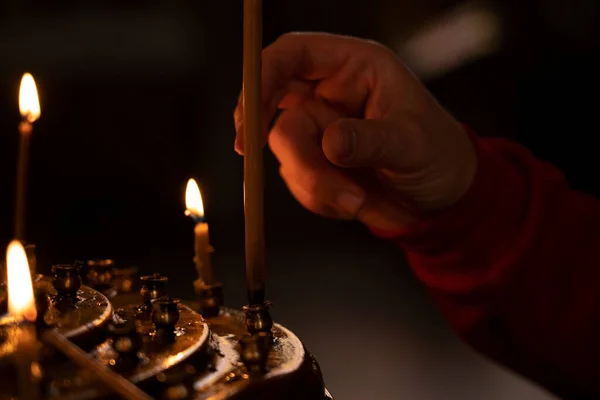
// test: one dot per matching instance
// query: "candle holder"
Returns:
(127, 343)
(254, 352)
(165, 315)
(67, 280)
(227, 361)
(123, 279)
(210, 298)
(179, 383)
(258, 318)
(153, 288)
(100, 275)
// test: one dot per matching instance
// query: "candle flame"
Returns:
(21, 302)
(29, 102)
(193, 200)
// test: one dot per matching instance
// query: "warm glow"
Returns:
(29, 103)
(193, 200)
(20, 289)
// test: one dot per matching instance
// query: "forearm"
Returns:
(515, 268)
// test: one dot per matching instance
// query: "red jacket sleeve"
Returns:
(515, 268)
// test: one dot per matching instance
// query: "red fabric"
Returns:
(515, 268)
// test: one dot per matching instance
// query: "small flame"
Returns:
(193, 200)
(21, 302)
(29, 103)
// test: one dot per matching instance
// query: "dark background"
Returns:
(138, 98)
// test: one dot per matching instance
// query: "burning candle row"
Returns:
(21, 300)
(30, 110)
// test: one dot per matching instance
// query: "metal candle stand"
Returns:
(210, 298)
(100, 339)
(152, 341)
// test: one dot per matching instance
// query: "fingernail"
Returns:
(350, 201)
(343, 142)
(340, 143)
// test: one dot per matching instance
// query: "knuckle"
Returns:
(287, 36)
(278, 139)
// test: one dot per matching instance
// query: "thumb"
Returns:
(364, 143)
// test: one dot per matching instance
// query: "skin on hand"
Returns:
(359, 137)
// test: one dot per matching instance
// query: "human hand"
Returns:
(359, 136)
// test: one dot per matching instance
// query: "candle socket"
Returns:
(178, 383)
(67, 280)
(165, 315)
(100, 275)
(210, 298)
(153, 288)
(123, 279)
(109, 379)
(127, 343)
(258, 318)
(254, 352)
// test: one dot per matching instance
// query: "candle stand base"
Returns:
(171, 353)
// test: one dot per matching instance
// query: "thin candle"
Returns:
(20, 289)
(202, 248)
(253, 158)
(29, 106)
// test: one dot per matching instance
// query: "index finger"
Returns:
(344, 67)
(345, 63)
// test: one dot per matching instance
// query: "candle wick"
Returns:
(195, 217)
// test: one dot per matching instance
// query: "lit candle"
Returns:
(29, 106)
(202, 247)
(21, 304)
(20, 289)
